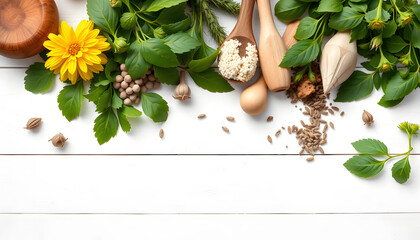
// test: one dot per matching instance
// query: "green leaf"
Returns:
(389, 29)
(347, 19)
(416, 11)
(359, 6)
(172, 15)
(103, 15)
(105, 82)
(359, 32)
(116, 101)
(181, 42)
(401, 170)
(377, 80)
(70, 100)
(135, 63)
(128, 20)
(131, 112)
(179, 26)
(38, 79)
(415, 36)
(203, 64)
(290, 10)
(124, 123)
(154, 106)
(110, 67)
(106, 126)
(168, 76)
(398, 87)
(394, 44)
(330, 6)
(370, 147)
(364, 166)
(371, 15)
(105, 100)
(155, 51)
(161, 4)
(306, 28)
(302, 53)
(358, 86)
(389, 103)
(95, 92)
(211, 81)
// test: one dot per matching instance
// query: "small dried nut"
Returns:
(121, 90)
(131, 84)
(124, 73)
(123, 95)
(133, 97)
(270, 140)
(201, 116)
(270, 118)
(149, 85)
(137, 101)
(128, 79)
(143, 89)
(230, 118)
(225, 129)
(123, 67)
(58, 140)
(310, 159)
(119, 78)
(342, 113)
(139, 81)
(136, 88)
(33, 123)
(151, 78)
(161, 133)
(156, 85)
(332, 125)
(124, 85)
(129, 91)
(367, 118)
(116, 85)
(278, 133)
(127, 102)
(149, 72)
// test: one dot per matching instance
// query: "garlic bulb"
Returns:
(182, 91)
(338, 60)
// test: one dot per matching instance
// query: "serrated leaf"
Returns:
(290, 10)
(401, 170)
(106, 126)
(330, 6)
(358, 86)
(371, 147)
(301, 53)
(70, 100)
(347, 19)
(394, 44)
(168, 76)
(371, 15)
(105, 100)
(211, 81)
(103, 15)
(161, 4)
(399, 87)
(364, 166)
(116, 101)
(131, 112)
(155, 51)
(135, 63)
(154, 106)
(38, 79)
(306, 28)
(124, 123)
(181, 42)
(95, 93)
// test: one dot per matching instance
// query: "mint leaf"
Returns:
(181, 42)
(154, 106)
(347, 19)
(301, 53)
(306, 28)
(364, 166)
(124, 123)
(401, 170)
(398, 87)
(70, 100)
(161, 4)
(211, 81)
(130, 112)
(394, 44)
(135, 63)
(38, 79)
(330, 6)
(106, 126)
(157, 53)
(168, 76)
(358, 86)
(290, 10)
(371, 147)
(103, 15)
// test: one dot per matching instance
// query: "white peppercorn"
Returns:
(131, 84)
(149, 85)
(139, 81)
(133, 97)
(129, 91)
(128, 79)
(123, 74)
(117, 85)
(136, 88)
(137, 101)
(151, 78)
(121, 90)
(124, 85)
(144, 89)
(123, 95)
(149, 72)
(156, 85)
(127, 101)
(123, 67)
(119, 78)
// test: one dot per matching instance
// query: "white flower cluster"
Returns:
(233, 66)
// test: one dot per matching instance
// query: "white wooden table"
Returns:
(198, 182)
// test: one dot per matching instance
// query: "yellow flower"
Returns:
(76, 53)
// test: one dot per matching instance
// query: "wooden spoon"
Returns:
(254, 98)
(243, 30)
(25, 25)
(272, 51)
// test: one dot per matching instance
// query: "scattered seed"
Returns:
(324, 113)
(323, 121)
(305, 113)
(201, 116)
(321, 150)
(278, 133)
(289, 129)
(225, 129)
(270, 140)
(330, 111)
(332, 125)
(325, 129)
(310, 159)
(230, 118)
(301, 151)
(283, 128)
(287, 146)
(342, 113)
(335, 108)
(270, 118)
(161, 133)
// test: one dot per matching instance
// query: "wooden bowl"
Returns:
(25, 25)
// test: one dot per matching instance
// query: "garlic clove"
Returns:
(338, 60)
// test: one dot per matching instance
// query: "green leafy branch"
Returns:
(367, 166)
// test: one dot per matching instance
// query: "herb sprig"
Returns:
(367, 166)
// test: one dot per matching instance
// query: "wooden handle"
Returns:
(266, 16)
(245, 15)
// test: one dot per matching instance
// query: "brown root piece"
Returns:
(305, 89)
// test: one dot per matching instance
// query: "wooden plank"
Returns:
(210, 227)
(198, 184)
(184, 133)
